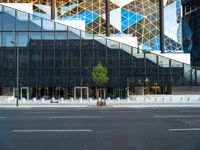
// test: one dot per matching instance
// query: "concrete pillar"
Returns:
(107, 11)
(53, 9)
(162, 33)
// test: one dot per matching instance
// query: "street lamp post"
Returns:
(128, 87)
(14, 42)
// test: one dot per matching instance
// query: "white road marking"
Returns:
(29, 131)
(190, 111)
(76, 117)
(43, 112)
(3, 117)
(186, 116)
(190, 129)
(119, 111)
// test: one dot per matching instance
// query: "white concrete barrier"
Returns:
(167, 99)
(42, 99)
(108, 99)
(128, 99)
(34, 99)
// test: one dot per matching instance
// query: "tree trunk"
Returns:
(97, 93)
(104, 93)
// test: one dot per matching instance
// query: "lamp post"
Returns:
(14, 42)
(128, 87)
(146, 86)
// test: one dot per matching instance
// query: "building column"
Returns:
(162, 33)
(107, 11)
(53, 9)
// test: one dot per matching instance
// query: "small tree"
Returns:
(99, 76)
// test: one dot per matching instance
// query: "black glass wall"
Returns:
(191, 36)
(54, 58)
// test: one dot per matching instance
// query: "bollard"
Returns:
(170, 99)
(90, 99)
(181, 99)
(23, 99)
(62, 99)
(42, 100)
(34, 99)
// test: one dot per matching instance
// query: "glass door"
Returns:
(77, 93)
(81, 93)
(24, 93)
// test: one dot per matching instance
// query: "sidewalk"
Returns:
(89, 104)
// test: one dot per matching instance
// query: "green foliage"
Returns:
(99, 75)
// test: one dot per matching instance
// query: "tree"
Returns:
(99, 76)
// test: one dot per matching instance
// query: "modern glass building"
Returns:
(137, 18)
(191, 30)
(53, 60)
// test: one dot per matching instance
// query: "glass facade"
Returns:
(137, 18)
(54, 59)
(191, 30)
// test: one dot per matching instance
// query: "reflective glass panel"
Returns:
(21, 21)
(8, 38)
(8, 19)
(1, 17)
(22, 39)
(47, 25)
(35, 23)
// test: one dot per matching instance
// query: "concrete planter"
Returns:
(101, 102)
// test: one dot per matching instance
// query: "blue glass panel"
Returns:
(35, 35)
(35, 23)
(47, 24)
(8, 37)
(86, 15)
(60, 27)
(48, 35)
(0, 40)
(61, 35)
(42, 15)
(21, 21)
(1, 12)
(22, 39)
(129, 18)
(8, 19)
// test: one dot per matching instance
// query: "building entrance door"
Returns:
(24, 93)
(81, 93)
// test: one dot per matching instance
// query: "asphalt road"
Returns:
(99, 129)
